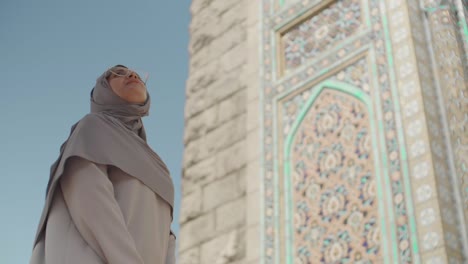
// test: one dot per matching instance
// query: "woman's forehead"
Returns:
(114, 69)
(119, 67)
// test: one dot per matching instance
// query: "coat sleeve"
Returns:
(89, 196)
(171, 247)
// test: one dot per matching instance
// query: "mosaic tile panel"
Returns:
(320, 32)
(404, 233)
(335, 203)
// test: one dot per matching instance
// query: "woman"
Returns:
(109, 197)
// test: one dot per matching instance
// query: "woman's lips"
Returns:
(133, 81)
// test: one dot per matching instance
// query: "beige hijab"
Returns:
(112, 134)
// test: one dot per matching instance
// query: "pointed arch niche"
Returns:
(331, 192)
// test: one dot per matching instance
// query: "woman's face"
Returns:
(130, 88)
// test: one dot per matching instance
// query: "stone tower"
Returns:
(326, 131)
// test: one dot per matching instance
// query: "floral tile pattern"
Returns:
(338, 21)
(335, 206)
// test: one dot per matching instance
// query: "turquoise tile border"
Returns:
(402, 145)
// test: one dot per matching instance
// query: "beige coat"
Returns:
(99, 215)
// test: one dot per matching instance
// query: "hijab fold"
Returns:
(112, 134)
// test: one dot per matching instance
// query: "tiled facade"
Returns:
(400, 197)
(326, 131)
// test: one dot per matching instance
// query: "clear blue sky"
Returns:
(51, 53)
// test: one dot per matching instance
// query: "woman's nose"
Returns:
(133, 75)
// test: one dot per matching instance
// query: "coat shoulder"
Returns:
(95, 120)
(92, 118)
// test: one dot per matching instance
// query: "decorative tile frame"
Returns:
(447, 33)
(419, 110)
(309, 36)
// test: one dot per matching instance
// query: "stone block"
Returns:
(221, 191)
(231, 159)
(191, 206)
(231, 215)
(200, 41)
(252, 50)
(197, 231)
(231, 15)
(191, 256)
(252, 243)
(215, 20)
(203, 22)
(234, 58)
(253, 208)
(213, 141)
(253, 176)
(211, 21)
(194, 128)
(216, 7)
(253, 12)
(253, 145)
(253, 118)
(226, 248)
(198, 125)
(241, 174)
(206, 47)
(225, 135)
(188, 187)
(232, 106)
(222, 88)
(210, 250)
(201, 59)
(201, 78)
(229, 39)
(198, 5)
(196, 103)
(230, 84)
(194, 152)
(202, 172)
(220, 45)
(253, 88)
(224, 6)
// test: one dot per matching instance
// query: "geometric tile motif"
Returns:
(427, 216)
(431, 240)
(421, 170)
(334, 192)
(424, 193)
(320, 32)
